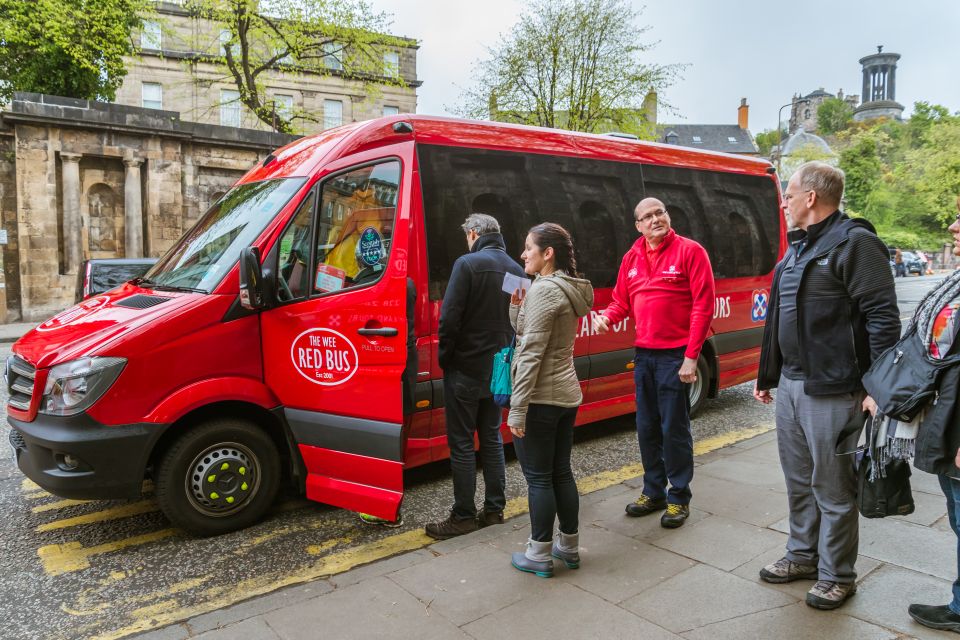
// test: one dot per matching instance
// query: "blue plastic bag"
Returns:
(501, 382)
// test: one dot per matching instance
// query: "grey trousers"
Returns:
(821, 486)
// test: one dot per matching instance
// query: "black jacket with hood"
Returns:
(846, 307)
(475, 316)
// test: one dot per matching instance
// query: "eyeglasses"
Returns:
(658, 213)
(787, 197)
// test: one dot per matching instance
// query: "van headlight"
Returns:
(73, 386)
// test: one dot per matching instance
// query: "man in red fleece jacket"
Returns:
(666, 285)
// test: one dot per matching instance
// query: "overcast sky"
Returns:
(762, 50)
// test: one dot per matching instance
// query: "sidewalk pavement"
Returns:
(637, 580)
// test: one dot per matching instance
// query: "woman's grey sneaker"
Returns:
(784, 570)
(450, 528)
(645, 505)
(536, 559)
(935, 617)
(829, 595)
(567, 548)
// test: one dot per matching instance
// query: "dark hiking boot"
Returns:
(645, 505)
(489, 518)
(675, 516)
(450, 528)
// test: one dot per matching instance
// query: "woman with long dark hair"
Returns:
(546, 394)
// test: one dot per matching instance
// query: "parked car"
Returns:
(97, 276)
(911, 262)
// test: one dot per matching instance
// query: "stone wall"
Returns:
(82, 179)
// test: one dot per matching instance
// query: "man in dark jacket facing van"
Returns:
(833, 309)
(474, 325)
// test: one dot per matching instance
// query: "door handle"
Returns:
(380, 331)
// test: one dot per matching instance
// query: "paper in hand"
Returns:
(511, 283)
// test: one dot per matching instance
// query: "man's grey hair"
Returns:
(481, 223)
(825, 180)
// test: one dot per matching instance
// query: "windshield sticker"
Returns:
(370, 248)
(329, 278)
(73, 314)
(324, 356)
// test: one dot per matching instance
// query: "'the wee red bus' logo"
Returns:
(324, 356)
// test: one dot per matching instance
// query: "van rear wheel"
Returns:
(219, 476)
(698, 389)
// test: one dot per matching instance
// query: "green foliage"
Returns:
(569, 64)
(767, 140)
(72, 48)
(904, 176)
(326, 37)
(833, 115)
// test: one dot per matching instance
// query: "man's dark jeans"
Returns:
(951, 489)
(663, 424)
(544, 454)
(469, 407)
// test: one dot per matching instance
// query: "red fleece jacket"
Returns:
(669, 293)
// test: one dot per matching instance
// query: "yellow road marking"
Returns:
(114, 513)
(317, 549)
(339, 562)
(59, 504)
(89, 596)
(73, 556)
(27, 486)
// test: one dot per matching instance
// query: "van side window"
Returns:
(294, 256)
(735, 217)
(356, 220)
(591, 198)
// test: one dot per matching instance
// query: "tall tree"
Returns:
(327, 37)
(834, 115)
(72, 48)
(569, 64)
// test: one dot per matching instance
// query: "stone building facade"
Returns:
(82, 179)
(803, 112)
(174, 72)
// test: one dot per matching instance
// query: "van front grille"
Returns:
(20, 376)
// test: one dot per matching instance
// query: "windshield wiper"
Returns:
(150, 284)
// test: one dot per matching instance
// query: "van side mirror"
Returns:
(251, 279)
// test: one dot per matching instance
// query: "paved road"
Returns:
(96, 569)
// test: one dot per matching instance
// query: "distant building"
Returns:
(175, 73)
(729, 138)
(879, 87)
(803, 113)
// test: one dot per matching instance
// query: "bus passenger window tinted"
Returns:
(735, 217)
(356, 219)
(295, 253)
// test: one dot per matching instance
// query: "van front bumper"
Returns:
(77, 457)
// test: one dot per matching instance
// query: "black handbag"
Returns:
(904, 378)
(889, 493)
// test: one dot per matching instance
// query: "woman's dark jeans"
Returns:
(951, 489)
(544, 454)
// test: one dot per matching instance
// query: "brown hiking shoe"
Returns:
(450, 528)
(785, 570)
(489, 518)
(830, 595)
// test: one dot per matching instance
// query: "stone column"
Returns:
(72, 225)
(132, 209)
(892, 83)
(865, 94)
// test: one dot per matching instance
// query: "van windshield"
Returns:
(209, 250)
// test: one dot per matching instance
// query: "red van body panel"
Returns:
(194, 350)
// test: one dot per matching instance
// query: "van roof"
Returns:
(303, 157)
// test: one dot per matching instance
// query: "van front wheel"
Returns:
(219, 476)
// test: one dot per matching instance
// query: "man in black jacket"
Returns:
(474, 325)
(833, 309)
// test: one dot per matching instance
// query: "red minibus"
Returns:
(268, 345)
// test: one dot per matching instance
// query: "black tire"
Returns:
(219, 476)
(700, 388)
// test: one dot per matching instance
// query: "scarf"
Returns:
(885, 438)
